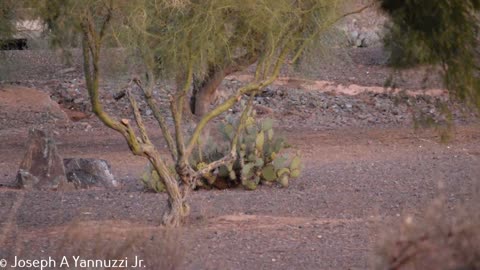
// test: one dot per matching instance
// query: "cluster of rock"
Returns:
(365, 29)
(322, 110)
(42, 168)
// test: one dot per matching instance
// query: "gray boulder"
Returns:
(89, 172)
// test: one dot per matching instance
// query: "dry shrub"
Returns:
(159, 248)
(445, 238)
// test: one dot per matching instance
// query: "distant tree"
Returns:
(198, 43)
(442, 32)
(7, 18)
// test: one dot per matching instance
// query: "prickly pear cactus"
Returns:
(259, 159)
(151, 180)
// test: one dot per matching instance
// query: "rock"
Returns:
(78, 100)
(89, 172)
(42, 166)
(66, 71)
(354, 35)
(370, 39)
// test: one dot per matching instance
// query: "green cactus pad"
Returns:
(295, 164)
(259, 162)
(250, 121)
(270, 134)
(295, 173)
(267, 124)
(283, 181)
(232, 175)
(268, 173)
(248, 168)
(279, 162)
(278, 145)
(249, 185)
(260, 141)
(228, 131)
(283, 171)
(223, 171)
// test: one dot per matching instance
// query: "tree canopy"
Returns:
(197, 43)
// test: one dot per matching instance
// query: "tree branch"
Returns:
(230, 157)
(157, 114)
(138, 117)
(177, 111)
(234, 99)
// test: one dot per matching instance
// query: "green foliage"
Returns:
(259, 159)
(151, 180)
(12, 11)
(172, 35)
(441, 32)
(7, 16)
(258, 156)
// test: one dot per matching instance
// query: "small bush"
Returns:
(443, 240)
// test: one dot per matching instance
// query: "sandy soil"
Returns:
(356, 182)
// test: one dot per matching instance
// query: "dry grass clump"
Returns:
(98, 245)
(159, 248)
(445, 238)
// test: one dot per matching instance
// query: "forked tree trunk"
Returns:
(204, 91)
(178, 207)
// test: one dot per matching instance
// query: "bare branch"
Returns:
(231, 157)
(147, 91)
(177, 111)
(107, 20)
(138, 117)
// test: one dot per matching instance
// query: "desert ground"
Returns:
(368, 166)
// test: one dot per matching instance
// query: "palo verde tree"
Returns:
(443, 32)
(196, 43)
